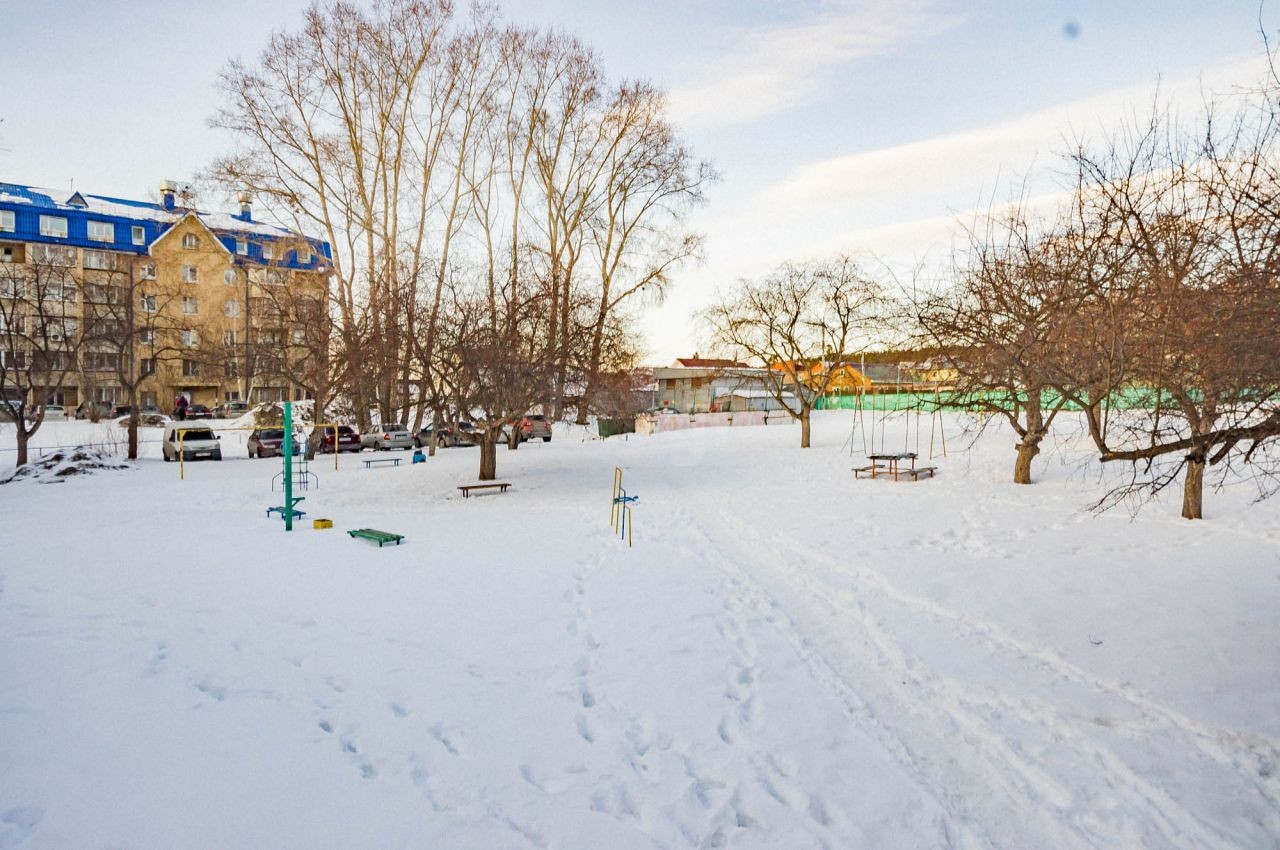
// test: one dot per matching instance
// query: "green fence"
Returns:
(1127, 399)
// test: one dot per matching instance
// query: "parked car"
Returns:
(535, 426)
(269, 442)
(393, 436)
(14, 411)
(146, 409)
(233, 409)
(464, 434)
(197, 442)
(119, 410)
(52, 413)
(93, 409)
(199, 411)
(321, 440)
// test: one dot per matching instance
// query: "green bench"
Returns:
(379, 537)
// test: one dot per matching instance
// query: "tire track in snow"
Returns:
(963, 709)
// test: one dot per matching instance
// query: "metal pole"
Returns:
(288, 465)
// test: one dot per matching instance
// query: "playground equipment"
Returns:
(379, 537)
(620, 512)
(881, 406)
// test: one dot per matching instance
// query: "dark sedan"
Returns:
(348, 439)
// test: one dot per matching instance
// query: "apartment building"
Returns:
(159, 295)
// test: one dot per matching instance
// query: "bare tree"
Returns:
(40, 335)
(1006, 327)
(1199, 212)
(802, 323)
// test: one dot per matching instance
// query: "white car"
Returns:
(198, 442)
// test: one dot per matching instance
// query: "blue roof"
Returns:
(30, 204)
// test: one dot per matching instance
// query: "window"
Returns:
(10, 288)
(189, 307)
(269, 365)
(231, 309)
(99, 361)
(149, 398)
(190, 274)
(54, 255)
(228, 338)
(148, 303)
(16, 323)
(242, 247)
(147, 366)
(269, 336)
(7, 253)
(267, 251)
(53, 225)
(229, 276)
(190, 338)
(98, 294)
(276, 277)
(99, 260)
(261, 394)
(8, 222)
(64, 292)
(304, 256)
(147, 271)
(230, 369)
(299, 336)
(106, 395)
(139, 235)
(102, 231)
(231, 395)
(190, 241)
(50, 361)
(13, 359)
(61, 329)
(190, 368)
(147, 336)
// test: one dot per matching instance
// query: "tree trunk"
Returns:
(513, 439)
(23, 437)
(804, 429)
(1027, 450)
(1193, 488)
(133, 422)
(435, 434)
(488, 457)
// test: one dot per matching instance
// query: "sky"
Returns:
(874, 128)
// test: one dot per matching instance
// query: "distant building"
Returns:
(221, 303)
(690, 384)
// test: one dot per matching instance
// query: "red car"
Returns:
(348, 439)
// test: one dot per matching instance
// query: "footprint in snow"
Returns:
(17, 824)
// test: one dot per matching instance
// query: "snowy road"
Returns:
(786, 659)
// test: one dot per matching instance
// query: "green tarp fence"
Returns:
(943, 400)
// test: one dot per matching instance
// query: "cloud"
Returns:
(767, 69)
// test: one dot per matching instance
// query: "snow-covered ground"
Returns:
(787, 658)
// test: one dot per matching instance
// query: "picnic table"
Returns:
(394, 461)
(890, 464)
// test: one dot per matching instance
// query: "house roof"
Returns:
(80, 206)
(706, 363)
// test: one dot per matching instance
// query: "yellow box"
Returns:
(322, 523)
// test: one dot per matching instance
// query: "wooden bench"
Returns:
(873, 468)
(379, 537)
(394, 461)
(917, 472)
(467, 488)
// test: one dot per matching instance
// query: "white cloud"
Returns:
(769, 68)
